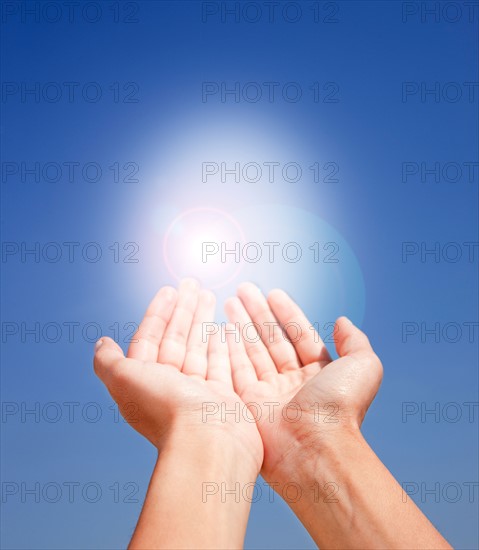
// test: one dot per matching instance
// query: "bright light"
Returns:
(276, 228)
(193, 242)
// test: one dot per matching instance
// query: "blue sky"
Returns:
(106, 127)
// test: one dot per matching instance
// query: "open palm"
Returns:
(291, 385)
(172, 371)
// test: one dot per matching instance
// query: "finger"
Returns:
(219, 368)
(242, 370)
(146, 342)
(354, 344)
(173, 346)
(107, 359)
(279, 347)
(307, 342)
(256, 350)
(349, 340)
(197, 345)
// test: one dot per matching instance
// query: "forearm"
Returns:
(188, 503)
(350, 500)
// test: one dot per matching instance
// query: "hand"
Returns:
(348, 498)
(172, 370)
(324, 396)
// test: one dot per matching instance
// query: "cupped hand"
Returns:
(283, 372)
(172, 370)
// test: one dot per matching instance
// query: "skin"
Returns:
(171, 370)
(271, 368)
(348, 498)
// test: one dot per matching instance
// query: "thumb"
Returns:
(108, 355)
(349, 340)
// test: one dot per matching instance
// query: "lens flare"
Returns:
(192, 242)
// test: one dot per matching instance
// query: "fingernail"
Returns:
(98, 345)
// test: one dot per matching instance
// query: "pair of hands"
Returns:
(249, 386)
(223, 406)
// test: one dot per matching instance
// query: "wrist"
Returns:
(312, 449)
(205, 474)
(214, 449)
(317, 480)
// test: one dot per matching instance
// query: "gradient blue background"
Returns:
(370, 132)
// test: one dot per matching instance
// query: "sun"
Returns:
(195, 243)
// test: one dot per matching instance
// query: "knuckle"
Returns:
(287, 364)
(176, 335)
